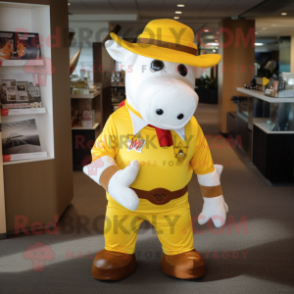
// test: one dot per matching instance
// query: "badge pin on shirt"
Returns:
(135, 142)
(180, 152)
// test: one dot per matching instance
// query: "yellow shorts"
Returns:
(171, 221)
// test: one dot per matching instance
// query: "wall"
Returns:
(284, 54)
(85, 61)
(292, 55)
(87, 33)
(237, 65)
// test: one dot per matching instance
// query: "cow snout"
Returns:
(168, 104)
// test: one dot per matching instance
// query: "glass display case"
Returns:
(271, 124)
(278, 118)
(281, 88)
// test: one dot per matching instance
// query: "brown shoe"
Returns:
(188, 265)
(112, 266)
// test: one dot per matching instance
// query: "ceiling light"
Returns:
(213, 50)
(181, 5)
(212, 44)
(206, 31)
(178, 12)
(68, 4)
(176, 17)
(258, 44)
(284, 13)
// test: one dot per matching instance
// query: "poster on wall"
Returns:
(19, 46)
(20, 140)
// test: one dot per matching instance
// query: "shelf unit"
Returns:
(85, 96)
(34, 19)
(83, 135)
(96, 125)
(39, 188)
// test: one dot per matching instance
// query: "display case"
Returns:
(279, 119)
(271, 121)
(39, 187)
(281, 88)
(36, 72)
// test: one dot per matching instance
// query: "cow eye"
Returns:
(157, 65)
(182, 69)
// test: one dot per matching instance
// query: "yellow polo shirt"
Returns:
(160, 167)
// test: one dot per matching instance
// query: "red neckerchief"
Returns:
(164, 136)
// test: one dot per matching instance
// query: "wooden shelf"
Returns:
(86, 96)
(118, 86)
(81, 128)
(24, 111)
(37, 62)
(27, 160)
(260, 95)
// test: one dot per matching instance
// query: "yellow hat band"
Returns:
(168, 45)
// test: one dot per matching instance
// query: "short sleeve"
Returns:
(107, 142)
(201, 161)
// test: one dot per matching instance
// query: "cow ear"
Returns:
(198, 71)
(119, 53)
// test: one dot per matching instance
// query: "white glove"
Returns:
(214, 208)
(119, 186)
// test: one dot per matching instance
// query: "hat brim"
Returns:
(165, 54)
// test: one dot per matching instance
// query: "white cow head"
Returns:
(162, 92)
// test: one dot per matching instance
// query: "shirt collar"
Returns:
(139, 123)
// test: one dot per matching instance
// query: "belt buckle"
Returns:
(161, 195)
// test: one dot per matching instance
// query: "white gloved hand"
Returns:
(119, 186)
(214, 208)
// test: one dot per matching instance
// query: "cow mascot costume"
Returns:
(148, 150)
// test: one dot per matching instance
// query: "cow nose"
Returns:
(159, 111)
(180, 116)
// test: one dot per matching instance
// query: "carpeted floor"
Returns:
(253, 253)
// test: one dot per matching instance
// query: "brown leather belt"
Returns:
(160, 196)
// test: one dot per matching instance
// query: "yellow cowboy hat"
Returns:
(168, 40)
